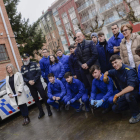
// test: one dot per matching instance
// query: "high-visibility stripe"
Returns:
(4, 110)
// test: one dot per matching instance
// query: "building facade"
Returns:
(67, 19)
(85, 14)
(50, 31)
(8, 48)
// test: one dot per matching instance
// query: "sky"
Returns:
(32, 9)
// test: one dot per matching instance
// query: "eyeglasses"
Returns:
(125, 30)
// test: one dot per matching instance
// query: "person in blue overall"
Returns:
(75, 90)
(64, 59)
(107, 90)
(57, 69)
(103, 54)
(94, 38)
(115, 40)
(31, 75)
(137, 51)
(128, 97)
(56, 91)
(74, 67)
(44, 65)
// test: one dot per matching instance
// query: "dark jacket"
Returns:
(31, 72)
(104, 56)
(86, 52)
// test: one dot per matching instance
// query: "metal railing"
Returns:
(110, 5)
(85, 5)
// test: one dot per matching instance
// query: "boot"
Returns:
(24, 121)
(27, 120)
(49, 111)
(41, 114)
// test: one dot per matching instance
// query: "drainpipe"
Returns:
(9, 39)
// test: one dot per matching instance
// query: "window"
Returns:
(71, 10)
(53, 35)
(48, 18)
(3, 53)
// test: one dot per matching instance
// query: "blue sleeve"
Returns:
(94, 52)
(71, 66)
(139, 77)
(132, 79)
(109, 90)
(38, 74)
(61, 74)
(63, 90)
(50, 69)
(81, 90)
(69, 95)
(49, 91)
(93, 90)
(42, 69)
(110, 47)
(112, 72)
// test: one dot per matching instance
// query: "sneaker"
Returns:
(135, 119)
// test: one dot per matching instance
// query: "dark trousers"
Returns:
(87, 80)
(127, 101)
(24, 110)
(34, 89)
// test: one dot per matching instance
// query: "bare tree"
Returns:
(130, 14)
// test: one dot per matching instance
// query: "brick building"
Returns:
(7, 44)
(49, 29)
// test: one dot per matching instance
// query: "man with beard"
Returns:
(31, 76)
(115, 40)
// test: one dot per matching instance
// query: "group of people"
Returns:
(98, 72)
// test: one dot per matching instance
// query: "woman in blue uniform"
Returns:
(57, 68)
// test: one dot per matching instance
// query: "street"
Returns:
(69, 125)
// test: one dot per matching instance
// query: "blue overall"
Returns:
(103, 91)
(55, 89)
(44, 66)
(126, 76)
(58, 70)
(114, 42)
(75, 91)
(65, 61)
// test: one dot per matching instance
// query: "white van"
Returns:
(6, 109)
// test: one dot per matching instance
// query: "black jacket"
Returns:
(87, 53)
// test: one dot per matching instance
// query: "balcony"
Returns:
(110, 5)
(88, 17)
(55, 13)
(58, 22)
(111, 19)
(85, 5)
(61, 33)
(64, 42)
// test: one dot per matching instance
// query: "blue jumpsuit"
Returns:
(56, 89)
(58, 70)
(65, 61)
(126, 76)
(44, 66)
(76, 90)
(107, 91)
(114, 42)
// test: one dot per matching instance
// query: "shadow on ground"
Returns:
(69, 125)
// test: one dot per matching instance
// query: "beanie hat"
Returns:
(94, 34)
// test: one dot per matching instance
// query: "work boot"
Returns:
(41, 114)
(67, 107)
(49, 112)
(24, 121)
(135, 119)
(27, 120)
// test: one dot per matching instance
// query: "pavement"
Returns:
(69, 125)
